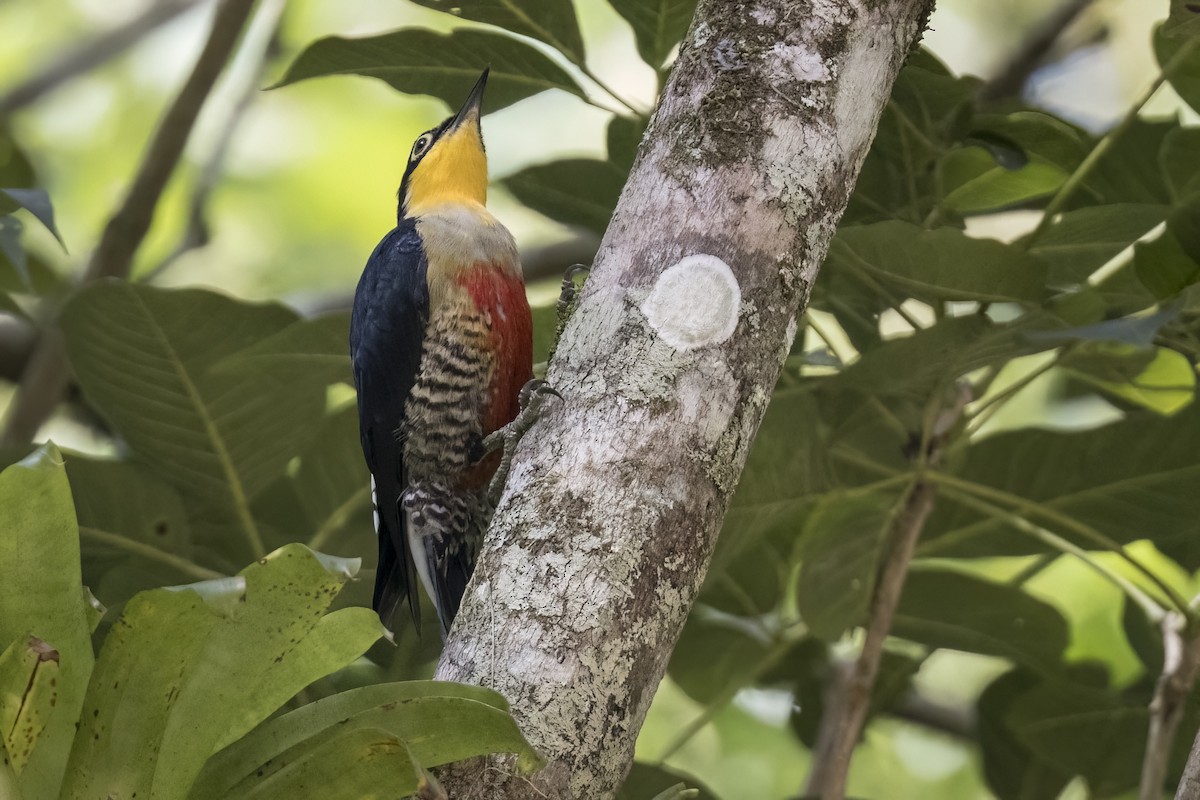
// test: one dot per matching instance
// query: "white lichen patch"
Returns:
(694, 303)
(803, 64)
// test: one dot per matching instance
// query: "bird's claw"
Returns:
(533, 398)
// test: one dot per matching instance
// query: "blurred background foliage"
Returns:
(211, 431)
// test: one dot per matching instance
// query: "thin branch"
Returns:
(196, 235)
(1010, 81)
(91, 54)
(1181, 662)
(831, 762)
(45, 380)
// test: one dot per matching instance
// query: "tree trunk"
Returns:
(616, 497)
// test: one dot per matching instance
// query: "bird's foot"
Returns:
(533, 399)
(567, 298)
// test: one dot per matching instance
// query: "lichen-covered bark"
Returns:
(616, 497)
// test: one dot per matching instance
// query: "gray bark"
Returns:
(616, 497)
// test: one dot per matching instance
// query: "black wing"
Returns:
(387, 329)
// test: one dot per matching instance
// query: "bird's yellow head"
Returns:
(448, 163)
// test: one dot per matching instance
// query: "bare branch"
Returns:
(45, 379)
(604, 534)
(850, 701)
(1010, 81)
(196, 235)
(92, 54)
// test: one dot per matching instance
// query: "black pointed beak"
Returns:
(474, 105)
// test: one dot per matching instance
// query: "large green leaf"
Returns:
(943, 608)
(1082, 241)
(130, 523)
(943, 264)
(549, 21)
(286, 595)
(147, 359)
(1185, 77)
(445, 66)
(439, 723)
(327, 500)
(658, 25)
(840, 552)
(314, 349)
(1129, 171)
(348, 764)
(186, 671)
(41, 596)
(142, 669)
(715, 653)
(1011, 769)
(1089, 731)
(1180, 161)
(1159, 379)
(974, 183)
(1129, 480)
(581, 191)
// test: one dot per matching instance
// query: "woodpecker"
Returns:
(441, 345)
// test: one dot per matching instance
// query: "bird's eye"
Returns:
(420, 145)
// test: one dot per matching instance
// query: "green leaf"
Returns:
(313, 350)
(1035, 136)
(1081, 730)
(348, 764)
(658, 25)
(1179, 159)
(1184, 225)
(145, 358)
(581, 191)
(549, 21)
(36, 202)
(1183, 19)
(1128, 480)
(946, 609)
(650, 781)
(623, 137)
(840, 552)
(1144, 637)
(201, 665)
(439, 722)
(1012, 771)
(974, 183)
(1082, 241)
(1164, 267)
(286, 595)
(1162, 380)
(327, 500)
(1129, 172)
(15, 169)
(444, 66)
(127, 515)
(41, 596)
(943, 264)
(1184, 78)
(714, 653)
(142, 669)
